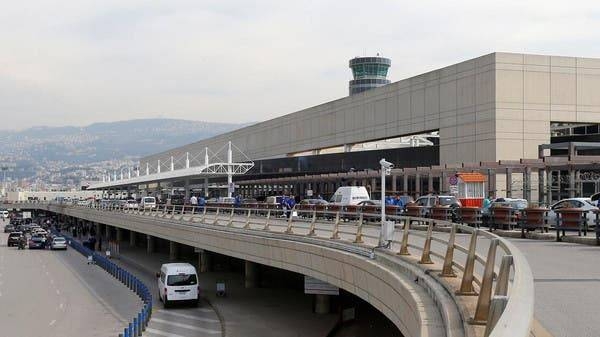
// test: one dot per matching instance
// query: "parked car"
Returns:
(9, 228)
(583, 203)
(517, 204)
(13, 238)
(58, 242)
(176, 200)
(131, 204)
(178, 282)
(313, 202)
(429, 201)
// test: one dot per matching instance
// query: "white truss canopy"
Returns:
(218, 169)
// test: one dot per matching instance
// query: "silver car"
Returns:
(583, 203)
(58, 242)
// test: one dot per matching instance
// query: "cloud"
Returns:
(77, 62)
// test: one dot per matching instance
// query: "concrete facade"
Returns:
(495, 107)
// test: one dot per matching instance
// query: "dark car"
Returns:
(38, 242)
(9, 228)
(13, 238)
(176, 200)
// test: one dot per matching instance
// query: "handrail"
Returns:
(506, 313)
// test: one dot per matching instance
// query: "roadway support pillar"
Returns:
(107, 232)
(571, 183)
(173, 250)
(119, 234)
(548, 187)
(132, 238)
(252, 275)
(417, 185)
(394, 186)
(527, 183)
(322, 304)
(405, 183)
(150, 244)
(206, 188)
(204, 261)
(430, 183)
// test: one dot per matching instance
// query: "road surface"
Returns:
(56, 294)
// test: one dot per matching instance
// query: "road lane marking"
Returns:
(169, 334)
(52, 323)
(61, 306)
(57, 292)
(185, 326)
(195, 318)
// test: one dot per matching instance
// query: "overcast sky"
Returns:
(80, 61)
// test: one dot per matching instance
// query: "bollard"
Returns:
(447, 270)
(358, 238)
(135, 326)
(335, 235)
(130, 330)
(426, 257)
(139, 319)
(485, 293)
(466, 285)
(404, 244)
(125, 332)
(503, 276)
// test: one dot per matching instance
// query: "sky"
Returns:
(83, 61)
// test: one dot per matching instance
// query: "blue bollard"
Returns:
(135, 326)
(130, 330)
(125, 334)
(140, 325)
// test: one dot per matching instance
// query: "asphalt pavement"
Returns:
(57, 294)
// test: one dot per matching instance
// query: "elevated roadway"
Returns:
(411, 295)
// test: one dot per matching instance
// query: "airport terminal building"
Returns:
(499, 106)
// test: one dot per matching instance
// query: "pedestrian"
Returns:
(194, 200)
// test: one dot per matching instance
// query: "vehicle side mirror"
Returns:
(157, 275)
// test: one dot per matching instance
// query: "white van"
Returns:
(178, 282)
(148, 203)
(349, 195)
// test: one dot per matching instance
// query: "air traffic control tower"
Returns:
(369, 73)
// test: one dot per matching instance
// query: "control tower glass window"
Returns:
(368, 73)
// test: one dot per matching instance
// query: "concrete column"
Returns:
(322, 304)
(173, 250)
(252, 276)
(548, 187)
(430, 182)
(186, 187)
(405, 183)
(571, 183)
(206, 187)
(417, 185)
(527, 183)
(394, 186)
(204, 261)
(132, 239)
(150, 244)
(373, 186)
(119, 234)
(541, 189)
(107, 232)
(443, 183)
(508, 182)
(491, 177)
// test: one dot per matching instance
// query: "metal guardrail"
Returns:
(505, 296)
(140, 321)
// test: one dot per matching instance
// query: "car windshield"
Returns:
(181, 280)
(148, 200)
(590, 203)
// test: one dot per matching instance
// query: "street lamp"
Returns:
(386, 169)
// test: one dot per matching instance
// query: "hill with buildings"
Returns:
(39, 151)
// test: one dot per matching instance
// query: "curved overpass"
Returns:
(406, 288)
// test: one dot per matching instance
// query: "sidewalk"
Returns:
(244, 312)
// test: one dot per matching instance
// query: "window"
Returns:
(181, 280)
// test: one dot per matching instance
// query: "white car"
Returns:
(584, 203)
(58, 243)
(131, 204)
(178, 282)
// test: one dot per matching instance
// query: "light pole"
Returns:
(386, 168)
